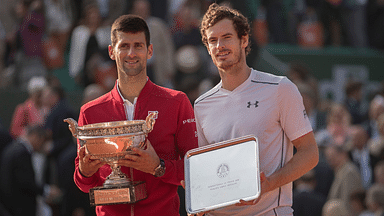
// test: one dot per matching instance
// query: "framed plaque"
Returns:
(221, 174)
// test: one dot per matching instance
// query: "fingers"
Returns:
(182, 182)
(262, 177)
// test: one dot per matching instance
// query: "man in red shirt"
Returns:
(134, 97)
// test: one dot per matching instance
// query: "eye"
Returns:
(139, 45)
(212, 41)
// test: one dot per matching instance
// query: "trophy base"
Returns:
(131, 193)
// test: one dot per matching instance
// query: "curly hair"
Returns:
(216, 13)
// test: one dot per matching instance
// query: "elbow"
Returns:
(315, 156)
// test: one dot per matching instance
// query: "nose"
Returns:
(220, 44)
(131, 52)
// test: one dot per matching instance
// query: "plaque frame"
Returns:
(206, 192)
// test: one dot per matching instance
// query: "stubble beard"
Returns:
(230, 65)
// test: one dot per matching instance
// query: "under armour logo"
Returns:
(256, 104)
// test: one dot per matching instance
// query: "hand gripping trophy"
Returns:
(109, 142)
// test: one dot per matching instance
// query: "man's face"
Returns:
(224, 46)
(130, 53)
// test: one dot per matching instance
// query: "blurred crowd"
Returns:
(40, 36)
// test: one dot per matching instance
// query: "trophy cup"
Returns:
(109, 142)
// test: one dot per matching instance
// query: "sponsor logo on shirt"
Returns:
(156, 114)
(189, 121)
(305, 114)
(250, 104)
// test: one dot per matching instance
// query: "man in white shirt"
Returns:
(246, 102)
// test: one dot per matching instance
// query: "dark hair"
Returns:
(216, 13)
(129, 24)
(353, 86)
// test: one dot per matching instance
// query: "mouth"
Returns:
(132, 61)
(223, 54)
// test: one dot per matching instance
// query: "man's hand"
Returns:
(144, 160)
(88, 166)
(264, 183)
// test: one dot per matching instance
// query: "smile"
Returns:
(223, 54)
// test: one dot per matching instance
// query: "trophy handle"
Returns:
(72, 126)
(149, 122)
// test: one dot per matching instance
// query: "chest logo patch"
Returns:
(156, 114)
(251, 104)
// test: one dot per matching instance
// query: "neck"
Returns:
(131, 87)
(234, 77)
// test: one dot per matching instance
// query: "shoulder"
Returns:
(270, 79)
(168, 94)
(207, 95)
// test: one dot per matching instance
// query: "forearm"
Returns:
(305, 159)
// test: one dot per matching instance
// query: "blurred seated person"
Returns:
(92, 92)
(379, 173)
(88, 39)
(360, 154)
(358, 204)
(375, 199)
(18, 186)
(354, 101)
(306, 201)
(376, 108)
(185, 28)
(31, 111)
(337, 128)
(347, 176)
(335, 207)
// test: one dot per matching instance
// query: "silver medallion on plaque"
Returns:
(109, 142)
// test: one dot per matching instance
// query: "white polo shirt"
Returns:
(267, 106)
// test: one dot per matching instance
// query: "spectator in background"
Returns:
(300, 73)
(60, 21)
(19, 189)
(347, 175)
(335, 207)
(376, 145)
(306, 201)
(376, 108)
(92, 92)
(62, 147)
(379, 173)
(90, 39)
(109, 9)
(358, 205)
(31, 111)
(354, 101)
(360, 155)
(161, 67)
(338, 123)
(375, 199)
(27, 44)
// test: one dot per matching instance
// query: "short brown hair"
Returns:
(130, 24)
(216, 13)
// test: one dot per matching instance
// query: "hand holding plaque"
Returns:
(109, 142)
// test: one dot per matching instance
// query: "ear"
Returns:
(150, 51)
(244, 41)
(111, 53)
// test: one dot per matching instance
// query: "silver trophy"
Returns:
(109, 142)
